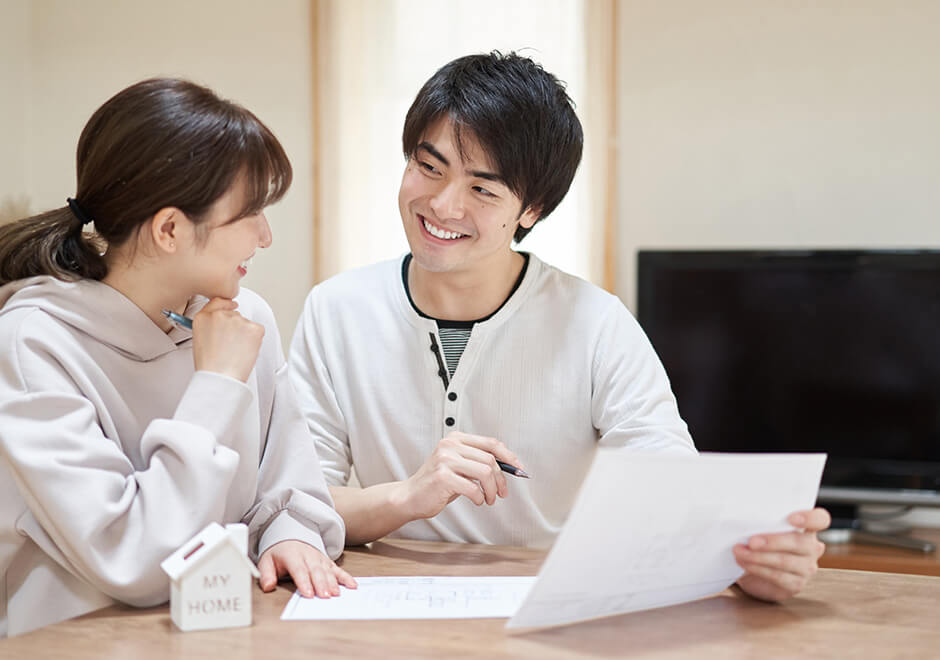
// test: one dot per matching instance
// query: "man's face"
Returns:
(458, 214)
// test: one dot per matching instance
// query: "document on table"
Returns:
(416, 598)
(650, 530)
(645, 531)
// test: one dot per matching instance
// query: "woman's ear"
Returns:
(165, 228)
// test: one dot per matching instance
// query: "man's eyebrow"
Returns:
(427, 146)
(489, 176)
(478, 174)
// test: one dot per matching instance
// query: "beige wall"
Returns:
(767, 123)
(778, 124)
(64, 58)
(14, 98)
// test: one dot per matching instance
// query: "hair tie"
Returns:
(77, 211)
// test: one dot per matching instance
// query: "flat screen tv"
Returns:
(792, 351)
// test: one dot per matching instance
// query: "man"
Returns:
(425, 371)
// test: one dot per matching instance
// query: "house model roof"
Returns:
(201, 547)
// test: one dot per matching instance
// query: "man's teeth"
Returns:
(440, 233)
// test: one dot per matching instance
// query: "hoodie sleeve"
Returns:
(293, 500)
(107, 522)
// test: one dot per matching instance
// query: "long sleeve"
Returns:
(632, 405)
(110, 522)
(313, 384)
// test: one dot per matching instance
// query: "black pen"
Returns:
(513, 470)
(179, 319)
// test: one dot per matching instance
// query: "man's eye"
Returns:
(427, 167)
(483, 191)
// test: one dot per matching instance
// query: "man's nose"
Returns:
(448, 202)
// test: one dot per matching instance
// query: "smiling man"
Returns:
(425, 372)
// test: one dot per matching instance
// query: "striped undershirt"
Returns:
(453, 341)
(455, 334)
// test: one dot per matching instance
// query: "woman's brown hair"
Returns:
(158, 143)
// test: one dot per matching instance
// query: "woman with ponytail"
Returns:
(122, 434)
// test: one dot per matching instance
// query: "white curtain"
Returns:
(372, 57)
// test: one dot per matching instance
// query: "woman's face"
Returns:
(218, 256)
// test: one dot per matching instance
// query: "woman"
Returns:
(121, 434)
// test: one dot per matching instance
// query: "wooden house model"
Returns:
(211, 579)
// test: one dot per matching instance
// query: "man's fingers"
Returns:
(814, 520)
(781, 562)
(489, 445)
(486, 459)
(758, 587)
(481, 473)
(785, 583)
(799, 543)
(469, 489)
(451, 482)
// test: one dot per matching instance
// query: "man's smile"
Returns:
(439, 232)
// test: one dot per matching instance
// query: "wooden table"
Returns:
(842, 614)
(863, 557)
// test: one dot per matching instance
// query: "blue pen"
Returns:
(179, 319)
(513, 470)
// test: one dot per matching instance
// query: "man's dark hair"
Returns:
(519, 113)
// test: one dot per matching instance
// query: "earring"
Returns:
(172, 245)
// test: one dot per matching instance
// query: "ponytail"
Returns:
(158, 143)
(51, 243)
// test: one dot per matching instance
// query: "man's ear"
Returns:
(165, 228)
(529, 217)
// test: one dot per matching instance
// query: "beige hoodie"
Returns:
(114, 451)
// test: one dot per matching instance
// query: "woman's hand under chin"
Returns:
(224, 341)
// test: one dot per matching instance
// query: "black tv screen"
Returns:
(832, 351)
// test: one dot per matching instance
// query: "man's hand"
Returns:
(779, 565)
(461, 464)
(313, 572)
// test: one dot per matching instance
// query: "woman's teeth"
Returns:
(246, 263)
(440, 233)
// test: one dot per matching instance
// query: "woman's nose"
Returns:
(266, 238)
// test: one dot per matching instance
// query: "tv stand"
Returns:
(839, 535)
(850, 526)
(857, 556)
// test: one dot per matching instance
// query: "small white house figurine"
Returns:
(211, 579)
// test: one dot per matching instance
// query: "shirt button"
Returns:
(452, 396)
(449, 421)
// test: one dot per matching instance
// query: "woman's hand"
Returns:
(313, 573)
(224, 341)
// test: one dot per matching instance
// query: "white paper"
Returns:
(416, 598)
(651, 530)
